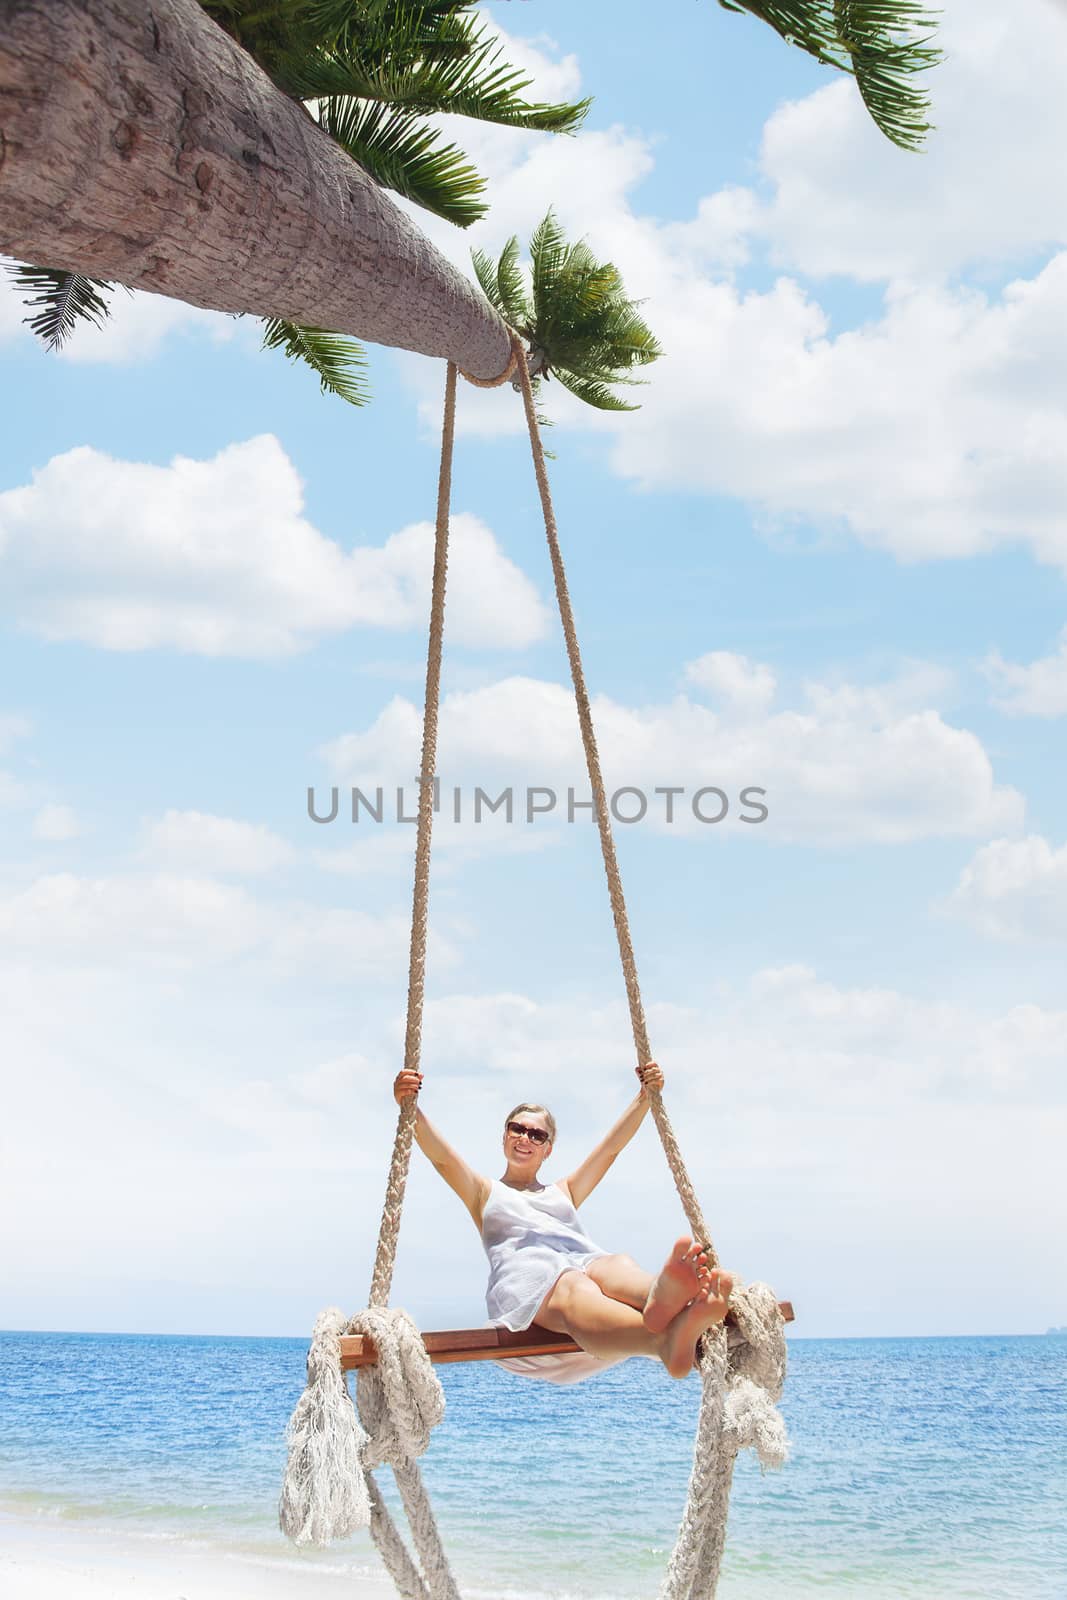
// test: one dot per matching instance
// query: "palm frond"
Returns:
(485, 272)
(578, 315)
(548, 252)
(441, 58)
(339, 362)
(418, 55)
(63, 300)
(513, 302)
(472, 80)
(884, 44)
(593, 393)
(885, 61)
(502, 283)
(406, 155)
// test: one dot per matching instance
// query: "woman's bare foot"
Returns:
(684, 1276)
(709, 1307)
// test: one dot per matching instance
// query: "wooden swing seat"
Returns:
(490, 1344)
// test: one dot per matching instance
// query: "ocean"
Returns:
(920, 1467)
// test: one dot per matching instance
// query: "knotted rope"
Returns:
(329, 1489)
(730, 1416)
(400, 1399)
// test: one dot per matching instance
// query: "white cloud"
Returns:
(734, 681)
(1036, 690)
(876, 763)
(1014, 888)
(203, 843)
(719, 237)
(818, 1044)
(306, 1116)
(216, 557)
(56, 823)
(836, 432)
(984, 188)
(916, 686)
(176, 923)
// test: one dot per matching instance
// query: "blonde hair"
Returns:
(545, 1112)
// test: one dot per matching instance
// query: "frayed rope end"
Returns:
(324, 1492)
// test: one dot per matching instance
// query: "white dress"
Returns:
(533, 1236)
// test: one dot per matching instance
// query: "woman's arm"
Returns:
(471, 1187)
(584, 1179)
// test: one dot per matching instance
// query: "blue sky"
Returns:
(827, 557)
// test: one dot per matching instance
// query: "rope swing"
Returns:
(329, 1488)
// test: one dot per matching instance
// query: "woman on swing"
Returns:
(543, 1267)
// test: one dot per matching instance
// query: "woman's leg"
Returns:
(621, 1279)
(660, 1298)
(606, 1328)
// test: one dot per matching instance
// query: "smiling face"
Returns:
(523, 1151)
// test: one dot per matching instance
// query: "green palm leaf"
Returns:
(513, 301)
(548, 253)
(339, 362)
(593, 393)
(578, 319)
(405, 155)
(470, 79)
(63, 299)
(420, 55)
(502, 283)
(884, 44)
(884, 64)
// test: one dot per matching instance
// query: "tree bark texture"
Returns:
(140, 144)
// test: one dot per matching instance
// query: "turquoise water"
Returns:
(921, 1467)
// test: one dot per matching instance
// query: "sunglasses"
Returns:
(521, 1131)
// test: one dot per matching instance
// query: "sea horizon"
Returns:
(792, 1336)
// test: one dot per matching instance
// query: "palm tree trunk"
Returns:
(139, 144)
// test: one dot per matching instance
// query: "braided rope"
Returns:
(389, 1394)
(693, 1570)
(396, 1183)
(686, 1192)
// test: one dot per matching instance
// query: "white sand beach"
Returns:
(48, 1561)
